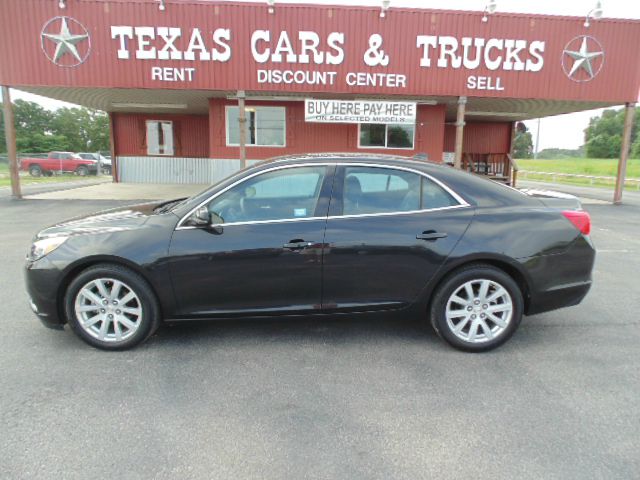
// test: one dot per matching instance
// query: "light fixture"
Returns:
(177, 106)
(162, 6)
(384, 8)
(595, 13)
(489, 9)
(62, 4)
(271, 4)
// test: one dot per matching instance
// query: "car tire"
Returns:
(476, 308)
(82, 171)
(35, 171)
(111, 307)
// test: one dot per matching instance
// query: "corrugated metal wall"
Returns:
(191, 134)
(199, 136)
(175, 170)
(480, 137)
(306, 137)
(24, 63)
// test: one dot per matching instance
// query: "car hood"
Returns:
(114, 220)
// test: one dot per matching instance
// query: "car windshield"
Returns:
(203, 194)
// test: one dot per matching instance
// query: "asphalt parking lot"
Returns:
(358, 398)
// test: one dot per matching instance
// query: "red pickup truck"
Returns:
(59, 162)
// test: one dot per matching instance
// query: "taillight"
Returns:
(580, 219)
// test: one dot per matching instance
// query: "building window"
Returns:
(265, 126)
(373, 135)
(159, 137)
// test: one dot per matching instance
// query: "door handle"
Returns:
(297, 244)
(430, 235)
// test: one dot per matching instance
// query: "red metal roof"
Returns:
(28, 54)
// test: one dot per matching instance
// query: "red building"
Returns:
(172, 75)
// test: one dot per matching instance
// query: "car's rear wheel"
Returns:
(35, 170)
(477, 308)
(82, 171)
(111, 307)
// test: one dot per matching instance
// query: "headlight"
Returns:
(44, 247)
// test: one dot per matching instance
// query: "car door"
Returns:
(264, 254)
(388, 232)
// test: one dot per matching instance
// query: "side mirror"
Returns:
(201, 217)
(205, 219)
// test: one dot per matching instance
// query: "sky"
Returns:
(562, 131)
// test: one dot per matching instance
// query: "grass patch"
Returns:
(598, 167)
(26, 179)
(604, 167)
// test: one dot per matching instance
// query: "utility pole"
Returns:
(10, 136)
(535, 152)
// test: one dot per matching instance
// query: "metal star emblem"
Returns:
(66, 42)
(583, 59)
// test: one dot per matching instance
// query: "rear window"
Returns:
(370, 190)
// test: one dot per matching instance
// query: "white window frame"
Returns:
(462, 203)
(386, 125)
(173, 139)
(256, 107)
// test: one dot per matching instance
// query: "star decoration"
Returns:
(65, 42)
(582, 59)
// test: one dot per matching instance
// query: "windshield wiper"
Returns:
(166, 206)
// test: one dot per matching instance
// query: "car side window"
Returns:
(369, 190)
(285, 194)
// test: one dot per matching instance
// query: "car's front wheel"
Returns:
(111, 307)
(82, 171)
(477, 308)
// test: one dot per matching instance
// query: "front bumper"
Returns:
(42, 280)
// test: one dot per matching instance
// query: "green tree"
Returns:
(603, 136)
(635, 148)
(523, 143)
(39, 130)
(86, 130)
(3, 141)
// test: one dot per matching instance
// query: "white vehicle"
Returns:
(105, 162)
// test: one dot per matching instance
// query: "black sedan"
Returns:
(330, 234)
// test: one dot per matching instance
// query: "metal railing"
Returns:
(593, 179)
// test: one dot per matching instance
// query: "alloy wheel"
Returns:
(108, 309)
(479, 311)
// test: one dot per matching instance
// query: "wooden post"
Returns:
(629, 114)
(112, 150)
(242, 120)
(10, 136)
(462, 102)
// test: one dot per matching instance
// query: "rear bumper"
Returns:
(561, 280)
(560, 297)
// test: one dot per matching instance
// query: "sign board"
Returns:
(359, 111)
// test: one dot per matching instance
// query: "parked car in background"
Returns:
(66, 162)
(332, 234)
(105, 162)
